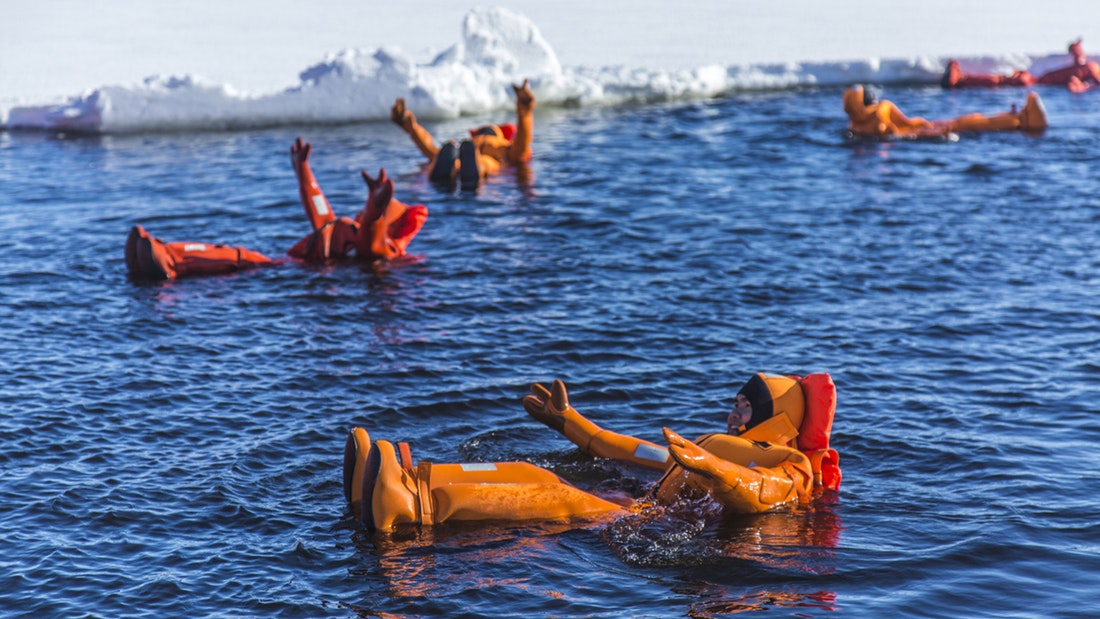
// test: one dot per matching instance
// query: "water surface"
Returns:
(175, 449)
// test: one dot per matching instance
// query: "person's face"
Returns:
(740, 415)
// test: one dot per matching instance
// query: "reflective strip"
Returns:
(320, 204)
(479, 466)
(424, 492)
(194, 247)
(651, 452)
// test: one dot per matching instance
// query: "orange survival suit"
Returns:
(383, 229)
(1077, 76)
(486, 151)
(746, 474)
(789, 412)
(882, 119)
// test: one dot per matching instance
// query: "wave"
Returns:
(498, 47)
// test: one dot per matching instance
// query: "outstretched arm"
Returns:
(520, 150)
(313, 199)
(404, 118)
(552, 408)
(745, 487)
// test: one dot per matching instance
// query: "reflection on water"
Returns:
(694, 532)
(719, 601)
(734, 554)
(799, 540)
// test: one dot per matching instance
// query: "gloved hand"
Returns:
(525, 98)
(548, 405)
(401, 115)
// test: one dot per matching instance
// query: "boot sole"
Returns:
(443, 170)
(361, 464)
(469, 174)
(141, 257)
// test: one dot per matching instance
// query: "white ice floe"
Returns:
(498, 47)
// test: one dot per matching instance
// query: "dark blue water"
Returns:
(175, 449)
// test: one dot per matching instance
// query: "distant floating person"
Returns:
(881, 119)
(1080, 75)
(149, 258)
(776, 453)
(382, 230)
(485, 152)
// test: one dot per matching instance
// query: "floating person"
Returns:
(870, 117)
(149, 258)
(780, 456)
(780, 411)
(485, 152)
(953, 77)
(1080, 75)
(382, 230)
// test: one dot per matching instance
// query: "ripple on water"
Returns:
(174, 448)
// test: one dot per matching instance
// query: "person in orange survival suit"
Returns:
(744, 473)
(382, 230)
(1079, 76)
(149, 258)
(870, 117)
(783, 423)
(485, 152)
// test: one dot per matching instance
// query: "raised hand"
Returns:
(691, 456)
(373, 209)
(374, 183)
(524, 96)
(299, 154)
(548, 405)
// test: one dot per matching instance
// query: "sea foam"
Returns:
(498, 48)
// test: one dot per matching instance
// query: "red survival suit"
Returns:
(1078, 76)
(383, 229)
(150, 258)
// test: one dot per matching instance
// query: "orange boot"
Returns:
(1033, 118)
(952, 74)
(386, 490)
(746, 477)
(150, 258)
(552, 408)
